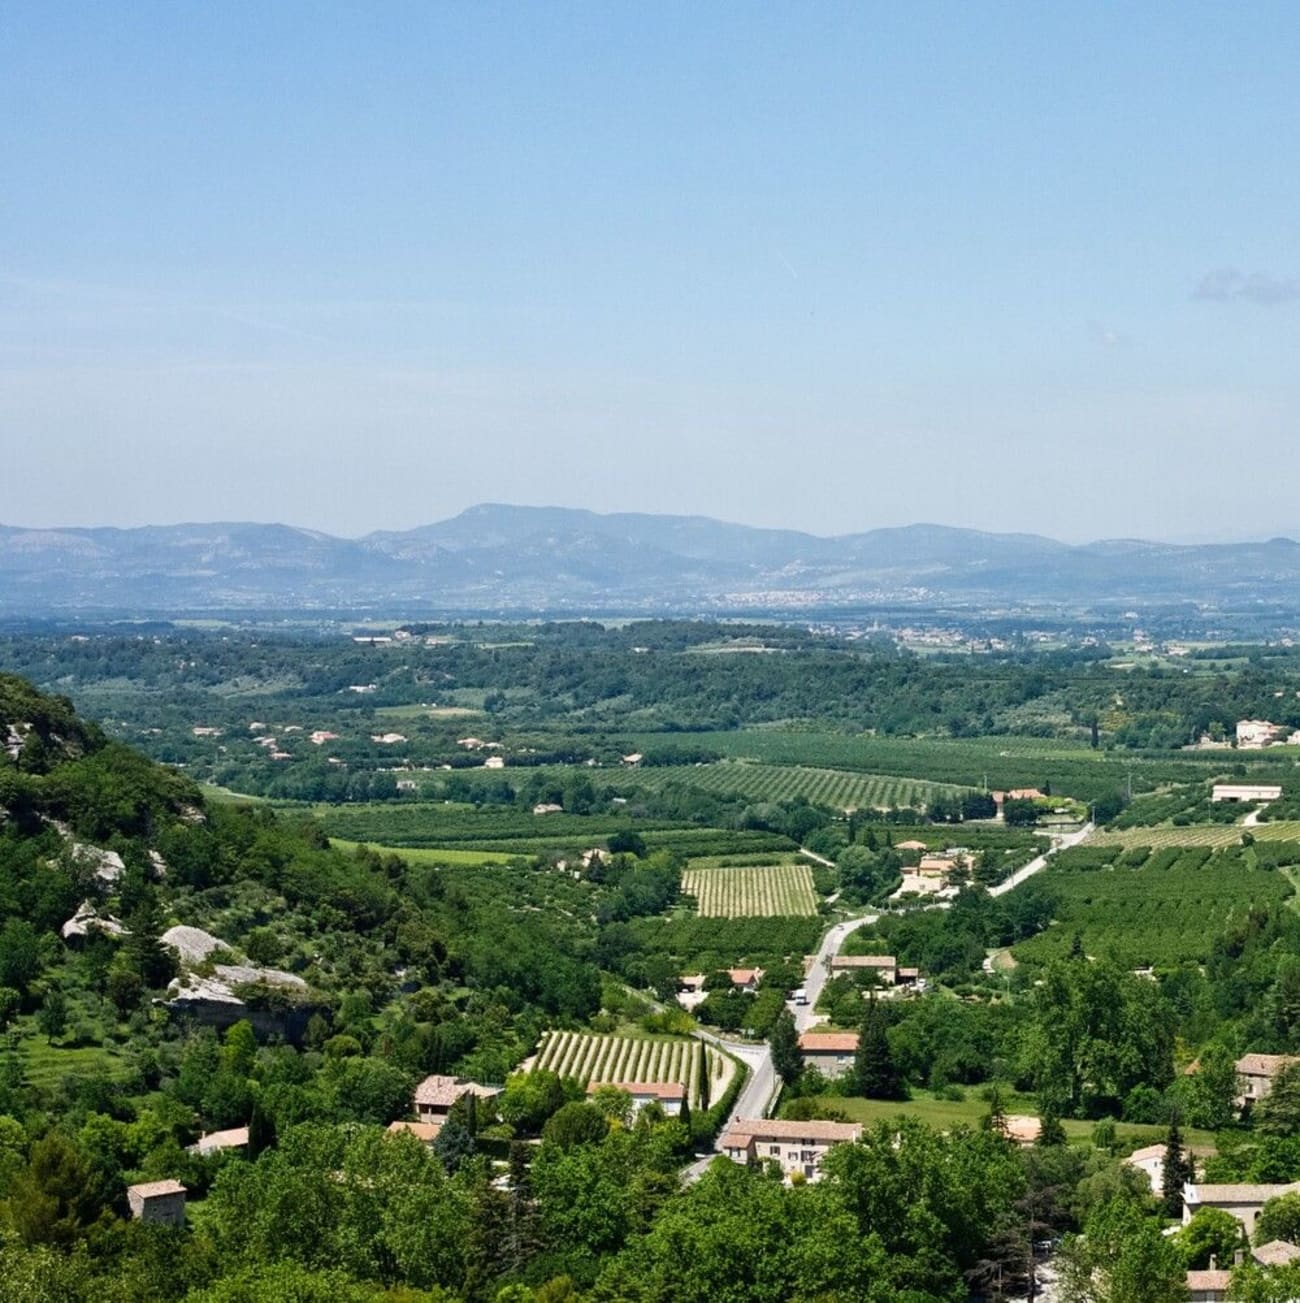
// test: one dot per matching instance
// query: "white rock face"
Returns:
(193, 943)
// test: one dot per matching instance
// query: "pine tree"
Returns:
(1050, 1130)
(875, 1074)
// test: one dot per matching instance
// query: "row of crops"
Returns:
(783, 890)
(589, 1057)
(836, 788)
(1151, 906)
(1206, 835)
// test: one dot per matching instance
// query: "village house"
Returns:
(1256, 1074)
(831, 1053)
(885, 967)
(669, 1095)
(1245, 792)
(1242, 1201)
(795, 1146)
(1211, 1286)
(1150, 1161)
(157, 1201)
(745, 979)
(1255, 733)
(216, 1142)
(435, 1095)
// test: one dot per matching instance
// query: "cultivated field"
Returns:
(783, 890)
(590, 1057)
(1217, 835)
(837, 788)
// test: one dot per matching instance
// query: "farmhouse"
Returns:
(936, 865)
(1245, 792)
(157, 1201)
(670, 1095)
(831, 1053)
(436, 1094)
(884, 966)
(745, 979)
(1256, 1073)
(1242, 1201)
(796, 1146)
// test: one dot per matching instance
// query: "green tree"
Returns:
(1278, 1113)
(52, 1017)
(1121, 1258)
(784, 1041)
(575, 1124)
(1279, 1219)
(1211, 1233)
(874, 1073)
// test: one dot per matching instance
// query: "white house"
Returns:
(669, 1095)
(796, 1146)
(831, 1053)
(1245, 792)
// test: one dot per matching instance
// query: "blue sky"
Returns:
(812, 265)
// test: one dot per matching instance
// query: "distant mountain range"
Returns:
(503, 558)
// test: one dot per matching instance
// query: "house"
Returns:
(157, 1201)
(1245, 792)
(831, 1053)
(796, 1146)
(1256, 1073)
(909, 976)
(1242, 1201)
(1276, 1253)
(936, 865)
(690, 991)
(436, 1094)
(885, 967)
(911, 846)
(494, 762)
(548, 807)
(425, 1132)
(1208, 1286)
(669, 1095)
(1150, 1161)
(1255, 733)
(216, 1142)
(1016, 794)
(745, 979)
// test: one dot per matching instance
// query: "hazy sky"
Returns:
(826, 266)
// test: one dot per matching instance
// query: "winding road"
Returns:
(761, 1088)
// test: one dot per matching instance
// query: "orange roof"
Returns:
(863, 961)
(743, 976)
(426, 1131)
(828, 1042)
(659, 1089)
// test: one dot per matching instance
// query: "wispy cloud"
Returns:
(1228, 285)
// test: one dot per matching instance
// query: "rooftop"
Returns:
(763, 1129)
(155, 1189)
(659, 1089)
(828, 1042)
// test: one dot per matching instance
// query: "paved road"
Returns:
(760, 1090)
(1038, 865)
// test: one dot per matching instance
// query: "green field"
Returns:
(944, 1114)
(1217, 835)
(431, 854)
(1166, 911)
(784, 890)
(837, 788)
(1072, 768)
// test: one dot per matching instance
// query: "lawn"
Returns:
(431, 854)
(944, 1114)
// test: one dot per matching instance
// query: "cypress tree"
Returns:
(1178, 1169)
(702, 1079)
(785, 1049)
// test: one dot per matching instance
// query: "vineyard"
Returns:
(589, 1057)
(1162, 908)
(1072, 768)
(836, 788)
(1203, 835)
(783, 890)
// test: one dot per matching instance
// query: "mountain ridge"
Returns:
(494, 555)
